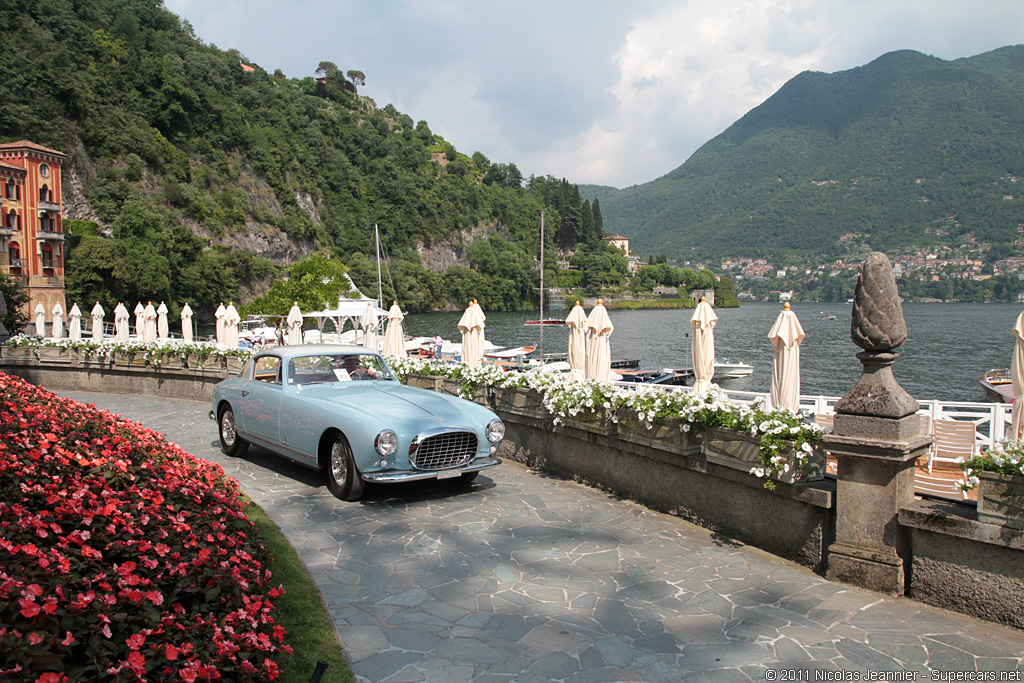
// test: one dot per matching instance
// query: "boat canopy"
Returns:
(347, 309)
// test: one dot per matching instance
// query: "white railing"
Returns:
(991, 420)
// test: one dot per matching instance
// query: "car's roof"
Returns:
(287, 352)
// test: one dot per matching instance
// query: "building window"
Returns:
(12, 220)
(46, 223)
(47, 257)
(44, 170)
(45, 195)
(14, 254)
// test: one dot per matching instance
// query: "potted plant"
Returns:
(999, 476)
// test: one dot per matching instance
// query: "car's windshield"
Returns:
(337, 367)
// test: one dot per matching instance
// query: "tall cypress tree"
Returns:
(587, 222)
(598, 221)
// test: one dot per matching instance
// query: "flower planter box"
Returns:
(741, 451)
(1001, 500)
(169, 361)
(19, 353)
(431, 382)
(129, 359)
(520, 401)
(447, 385)
(234, 364)
(665, 434)
(596, 420)
(57, 354)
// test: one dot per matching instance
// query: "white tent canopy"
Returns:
(348, 310)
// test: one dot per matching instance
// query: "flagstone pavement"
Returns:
(526, 578)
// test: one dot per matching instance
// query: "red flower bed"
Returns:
(122, 557)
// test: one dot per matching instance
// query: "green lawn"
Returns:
(300, 610)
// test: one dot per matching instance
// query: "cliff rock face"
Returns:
(441, 255)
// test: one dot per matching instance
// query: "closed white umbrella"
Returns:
(231, 320)
(58, 321)
(122, 328)
(140, 319)
(599, 329)
(40, 320)
(219, 315)
(394, 335)
(1017, 380)
(471, 324)
(149, 323)
(786, 335)
(97, 322)
(294, 324)
(186, 323)
(368, 322)
(703, 349)
(162, 330)
(577, 342)
(75, 323)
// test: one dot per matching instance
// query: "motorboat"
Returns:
(665, 376)
(728, 369)
(997, 385)
(546, 321)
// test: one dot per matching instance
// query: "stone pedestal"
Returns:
(875, 480)
(876, 439)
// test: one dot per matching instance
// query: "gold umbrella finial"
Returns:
(600, 302)
(703, 299)
(786, 307)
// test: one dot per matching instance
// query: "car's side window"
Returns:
(267, 369)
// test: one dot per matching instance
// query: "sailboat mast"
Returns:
(541, 286)
(380, 290)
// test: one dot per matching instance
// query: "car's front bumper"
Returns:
(394, 477)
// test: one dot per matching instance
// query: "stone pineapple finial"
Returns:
(878, 323)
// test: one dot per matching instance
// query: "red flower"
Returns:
(29, 608)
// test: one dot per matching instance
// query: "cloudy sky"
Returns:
(596, 91)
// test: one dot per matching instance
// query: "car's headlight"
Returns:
(495, 430)
(386, 442)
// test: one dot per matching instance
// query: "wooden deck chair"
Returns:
(937, 486)
(954, 439)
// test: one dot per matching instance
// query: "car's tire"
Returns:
(342, 474)
(467, 477)
(231, 441)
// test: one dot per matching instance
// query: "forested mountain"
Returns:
(908, 150)
(194, 176)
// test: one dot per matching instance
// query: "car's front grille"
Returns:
(447, 449)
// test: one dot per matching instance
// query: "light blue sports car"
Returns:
(340, 408)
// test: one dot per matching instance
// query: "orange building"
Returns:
(31, 227)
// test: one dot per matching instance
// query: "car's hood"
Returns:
(390, 399)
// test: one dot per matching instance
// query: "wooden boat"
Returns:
(546, 321)
(669, 376)
(997, 385)
(505, 354)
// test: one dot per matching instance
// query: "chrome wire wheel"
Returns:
(227, 429)
(339, 464)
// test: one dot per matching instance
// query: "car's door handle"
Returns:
(245, 393)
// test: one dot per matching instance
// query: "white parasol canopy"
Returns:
(577, 342)
(599, 329)
(40, 320)
(394, 336)
(231, 320)
(75, 323)
(1017, 380)
(122, 327)
(786, 335)
(703, 349)
(294, 321)
(369, 322)
(162, 330)
(140, 319)
(219, 315)
(97, 322)
(149, 323)
(58, 321)
(186, 323)
(472, 327)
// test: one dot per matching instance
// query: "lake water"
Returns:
(949, 346)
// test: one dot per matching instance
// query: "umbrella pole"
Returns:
(541, 345)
